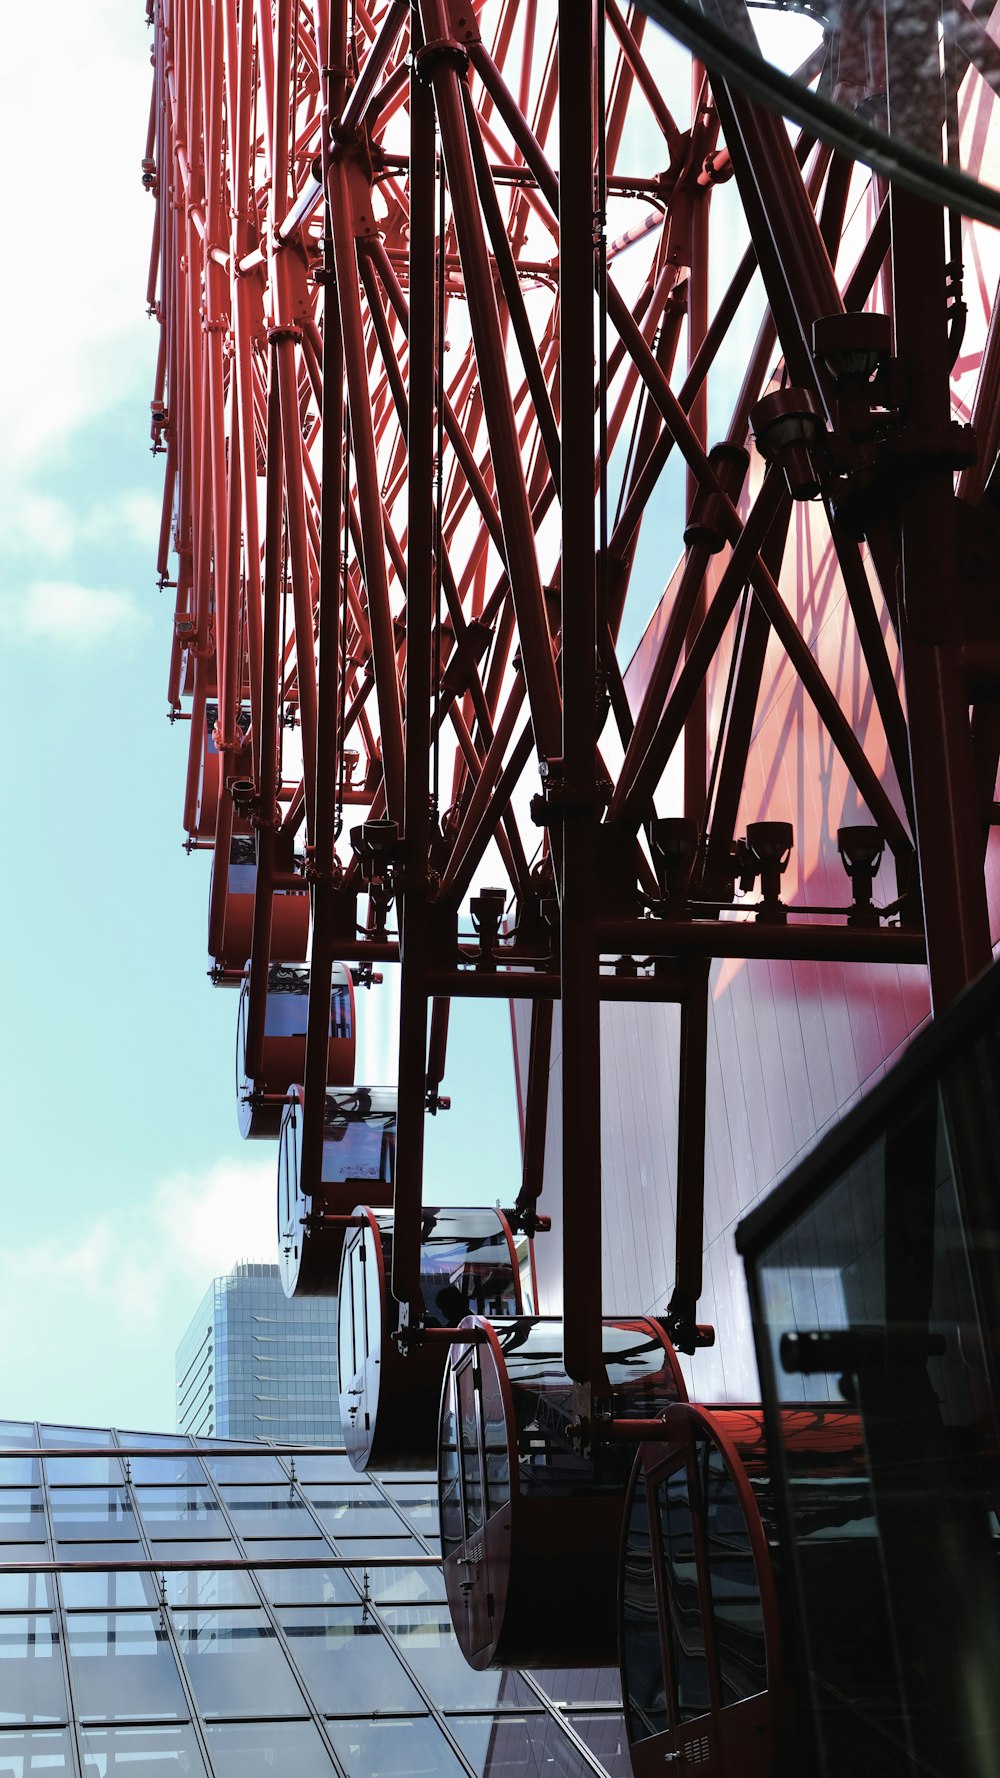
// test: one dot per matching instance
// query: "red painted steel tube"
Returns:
(536, 1110)
(426, 376)
(522, 562)
(267, 797)
(691, 1097)
(578, 871)
(299, 563)
(369, 500)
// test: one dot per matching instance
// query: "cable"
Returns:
(899, 161)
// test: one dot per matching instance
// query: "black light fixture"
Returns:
(788, 431)
(673, 843)
(374, 844)
(860, 851)
(770, 846)
(706, 525)
(853, 344)
(487, 910)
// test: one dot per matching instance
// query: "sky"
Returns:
(126, 1183)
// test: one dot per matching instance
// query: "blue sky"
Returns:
(126, 1183)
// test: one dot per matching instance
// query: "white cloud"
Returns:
(119, 1293)
(63, 611)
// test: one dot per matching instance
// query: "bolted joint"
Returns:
(562, 799)
(440, 52)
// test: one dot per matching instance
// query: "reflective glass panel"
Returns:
(606, 1738)
(428, 1645)
(245, 1469)
(687, 1634)
(414, 1748)
(92, 1512)
(122, 1551)
(141, 1753)
(736, 1608)
(642, 1655)
(401, 1586)
(346, 1661)
(123, 1668)
(356, 1549)
(61, 1470)
(259, 1548)
(269, 1512)
(18, 1471)
(324, 1469)
(31, 1681)
(212, 1549)
(268, 1750)
(24, 1592)
(28, 1751)
(518, 1747)
(308, 1586)
(236, 1665)
(154, 1441)
(107, 1592)
(180, 1512)
(56, 1436)
(356, 1511)
(16, 1432)
(179, 1470)
(209, 1587)
(420, 1504)
(21, 1516)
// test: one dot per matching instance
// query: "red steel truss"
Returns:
(441, 332)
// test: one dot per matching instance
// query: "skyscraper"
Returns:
(257, 1364)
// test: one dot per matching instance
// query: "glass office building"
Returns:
(257, 1364)
(171, 1605)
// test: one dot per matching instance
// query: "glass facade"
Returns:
(256, 1364)
(222, 1615)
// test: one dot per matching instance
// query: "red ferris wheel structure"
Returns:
(495, 337)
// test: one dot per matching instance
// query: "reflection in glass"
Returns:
(180, 1512)
(236, 1665)
(21, 1516)
(18, 1471)
(606, 1738)
(56, 1436)
(430, 1648)
(123, 1668)
(16, 1432)
(414, 1748)
(67, 1470)
(107, 1592)
(209, 1587)
(354, 1511)
(309, 1586)
(138, 1752)
(404, 1586)
(31, 1681)
(28, 1751)
(265, 1750)
(518, 1747)
(687, 1635)
(322, 1469)
(92, 1512)
(180, 1470)
(24, 1592)
(268, 1512)
(346, 1661)
(641, 1657)
(245, 1469)
(736, 1608)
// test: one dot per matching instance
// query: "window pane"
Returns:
(518, 1747)
(687, 1634)
(209, 1587)
(212, 1549)
(356, 1511)
(346, 1661)
(92, 1512)
(179, 1470)
(55, 1436)
(31, 1681)
(355, 1549)
(429, 1646)
(24, 1592)
(308, 1586)
(18, 1471)
(402, 1586)
(265, 1750)
(236, 1665)
(35, 1750)
(409, 1749)
(606, 1737)
(21, 1516)
(123, 1668)
(141, 1753)
(83, 1469)
(245, 1469)
(269, 1512)
(180, 1512)
(108, 1592)
(324, 1469)
(736, 1606)
(16, 1432)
